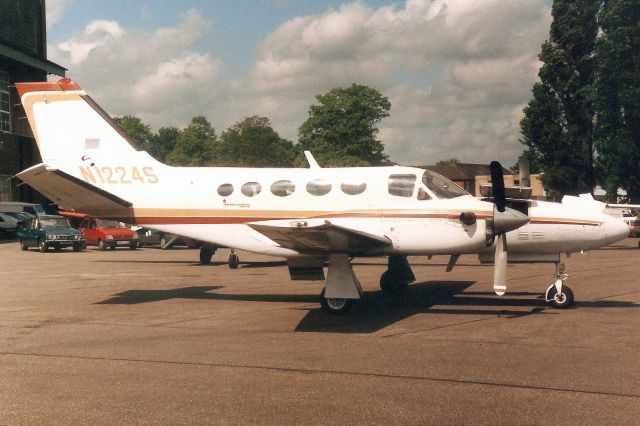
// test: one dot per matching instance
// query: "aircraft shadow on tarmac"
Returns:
(376, 310)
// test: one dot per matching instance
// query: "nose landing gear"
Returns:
(559, 295)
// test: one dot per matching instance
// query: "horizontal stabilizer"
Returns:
(68, 191)
(324, 238)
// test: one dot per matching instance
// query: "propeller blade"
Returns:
(500, 266)
(497, 185)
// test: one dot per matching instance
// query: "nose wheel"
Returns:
(559, 295)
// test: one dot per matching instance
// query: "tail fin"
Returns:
(68, 125)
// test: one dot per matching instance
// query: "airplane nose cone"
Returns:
(508, 220)
(615, 229)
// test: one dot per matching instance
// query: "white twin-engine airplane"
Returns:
(307, 216)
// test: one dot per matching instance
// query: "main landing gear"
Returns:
(343, 288)
(206, 253)
(559, 295)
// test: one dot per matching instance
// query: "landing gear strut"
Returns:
(397, 276)
(559, 295)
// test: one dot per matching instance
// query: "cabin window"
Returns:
(282, 188)
(251, 189)
(353, 188)
(402, 185)
(441, 186)
(225, 189)
(319, 187)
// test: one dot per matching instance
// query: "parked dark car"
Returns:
(151, 237)
(50, 231)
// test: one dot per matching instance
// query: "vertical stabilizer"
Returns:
(69, 127)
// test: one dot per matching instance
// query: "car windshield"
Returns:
(112, 224)
(441, 186)
(54, 222)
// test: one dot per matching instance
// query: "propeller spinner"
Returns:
(504, 220)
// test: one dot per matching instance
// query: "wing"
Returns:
(323, 238)
(68, 191)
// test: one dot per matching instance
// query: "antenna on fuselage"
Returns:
(313, 164)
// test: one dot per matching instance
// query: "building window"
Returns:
(4, 102)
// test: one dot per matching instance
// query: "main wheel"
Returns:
(389, 283)
(335, 306)
(562, 300)
(43, 246)
(234, 261)
(205, 255)
(102, 245)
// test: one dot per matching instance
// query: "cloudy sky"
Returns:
(457, 72)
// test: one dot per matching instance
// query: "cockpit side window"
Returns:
(441, 186)
(402, 185)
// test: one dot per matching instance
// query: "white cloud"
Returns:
(156, 75)
(55, 10)
(455, 71)
(458, 73)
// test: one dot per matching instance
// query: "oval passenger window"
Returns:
(353, 188)
(282, 188)
(225, 189)
(319, 187)
(251, 189)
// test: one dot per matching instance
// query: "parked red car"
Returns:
(107, 233)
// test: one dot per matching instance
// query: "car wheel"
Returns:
(101, 245)
(77, 247)
(113, 247)
(43, 246)
(23, 246)
(57, 247)
(133, 245)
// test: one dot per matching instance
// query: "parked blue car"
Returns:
(50, 231)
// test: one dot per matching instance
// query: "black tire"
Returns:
(133, 245)
(101, 245)
(77, 247)
(112, 247)
(56, 247)
(562, 301)
(234, 261)
(205, 255)
(43, 246)
(391, 284)
(24, 247)
(335, 306)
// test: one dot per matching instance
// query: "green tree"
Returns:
(194, 146)
(558, 126)
(138, 132)
(618, 97)
(252, 142)
(342, 130)
(163, 142)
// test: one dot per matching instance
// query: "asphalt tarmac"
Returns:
(151, 336)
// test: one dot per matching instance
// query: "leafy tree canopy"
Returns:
(137, 131)
(252, 142)
(341, 130)
(163, 142)
(194, 145)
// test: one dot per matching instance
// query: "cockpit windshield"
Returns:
(441, 186)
